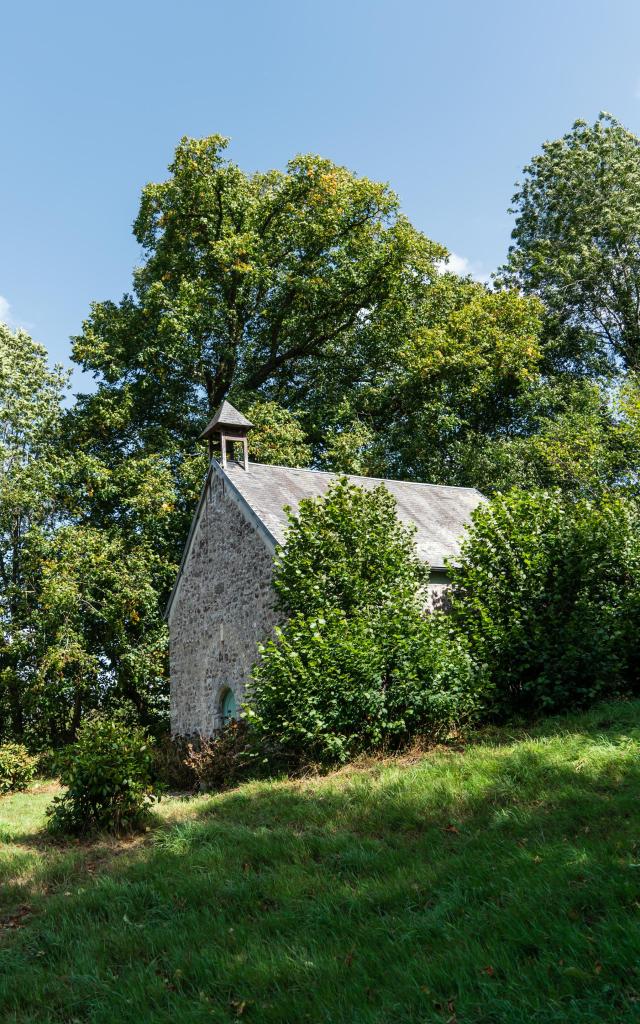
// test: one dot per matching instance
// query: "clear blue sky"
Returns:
(447, 101)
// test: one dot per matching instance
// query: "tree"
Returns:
(465, 377)
(577, 242)
(250, 282)
(86, 552)
(277, 437)
(30, 471)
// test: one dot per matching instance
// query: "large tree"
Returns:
(30, 471)
(85, 556)
(577, 242)
(250, 283)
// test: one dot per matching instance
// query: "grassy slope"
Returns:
(497, 885)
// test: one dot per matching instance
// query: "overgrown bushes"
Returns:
(17, 768)
(332, 686)
(357, 663)
(229, 757)
(108, 774)
(548, 596)
(545, 615)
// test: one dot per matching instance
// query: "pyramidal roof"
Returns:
(226, 416)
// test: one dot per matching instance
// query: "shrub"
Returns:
(357, 664)
(17, 768)
(229, 757)
(171, 766)
(108, 775)
(548, 594)
(347, 550)
(330, 687)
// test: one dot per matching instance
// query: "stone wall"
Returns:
(223, 607)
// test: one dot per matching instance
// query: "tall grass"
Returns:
(499, 885)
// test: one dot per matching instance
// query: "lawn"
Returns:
(495, 885)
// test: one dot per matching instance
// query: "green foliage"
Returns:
(547, 594)
(357, 664)
(309, 298)
(250, 281)
(327, 688)
(102, 639)
(577, 240)
(108, 775)
(30, 470)
(17, 767)
(467, 376)
(347, 549)
(277, 437)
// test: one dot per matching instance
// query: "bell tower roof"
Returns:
(227, 420)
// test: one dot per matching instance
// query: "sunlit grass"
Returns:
(499, 884)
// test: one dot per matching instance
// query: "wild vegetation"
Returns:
(357, 665)
(491, 878)
(309, 299)
(108, 779)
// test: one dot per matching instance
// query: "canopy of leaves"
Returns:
(83, 562)
(577, 241)
(30, 471)
(277, 437)
(253, 281)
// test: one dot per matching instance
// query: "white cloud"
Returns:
(462, 266)
(5, 310)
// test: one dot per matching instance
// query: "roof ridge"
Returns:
(355, 476)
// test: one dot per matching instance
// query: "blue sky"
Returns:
(447, 101)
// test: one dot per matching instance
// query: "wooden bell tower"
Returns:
(230, 426)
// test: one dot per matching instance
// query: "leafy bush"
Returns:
(357, 664)
(108, 775)
(333, 686)
(347, 550)
(17, 767)
(548, 594)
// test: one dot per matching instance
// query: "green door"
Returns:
(229, 707)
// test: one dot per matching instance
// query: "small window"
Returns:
(228, 707)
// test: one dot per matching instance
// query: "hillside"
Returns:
(495, 885)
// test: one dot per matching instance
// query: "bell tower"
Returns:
(230, 426)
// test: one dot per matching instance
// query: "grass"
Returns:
(499, 885)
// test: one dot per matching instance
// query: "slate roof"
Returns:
(226, 416)
(440, 514)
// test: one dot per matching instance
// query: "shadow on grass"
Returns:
(496, 887)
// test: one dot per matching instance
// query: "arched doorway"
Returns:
(228, 706)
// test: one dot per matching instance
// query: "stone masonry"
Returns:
(223, 606)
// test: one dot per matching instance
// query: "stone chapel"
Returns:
(223, 604)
